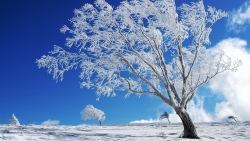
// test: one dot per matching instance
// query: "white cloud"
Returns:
(197, 111)
(51, 122)
(233, 86)
(150, 121)
(238, 19)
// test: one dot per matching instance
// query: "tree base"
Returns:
(189, 128)
(189, 136)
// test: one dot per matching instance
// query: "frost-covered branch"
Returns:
(136, 91)
(138, 47)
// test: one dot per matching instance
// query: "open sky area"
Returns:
(30, 29)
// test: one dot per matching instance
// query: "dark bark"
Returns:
(100, 123)
(169, 121)
(189, 128)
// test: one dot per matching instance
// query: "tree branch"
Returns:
(135, 91)
(157, 92)
(167, 84)
(154, 70)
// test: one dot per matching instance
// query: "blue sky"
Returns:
(29, 29)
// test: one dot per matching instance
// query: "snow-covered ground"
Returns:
(132, 132)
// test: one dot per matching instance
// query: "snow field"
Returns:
(227, 131)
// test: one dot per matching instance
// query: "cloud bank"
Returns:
(238, 19)
(233, 86)
(51, 122)
(150, 121)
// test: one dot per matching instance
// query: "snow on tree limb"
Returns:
(138, 47)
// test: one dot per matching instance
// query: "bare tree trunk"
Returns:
(189, 128)
(169, 121)
(100, 123)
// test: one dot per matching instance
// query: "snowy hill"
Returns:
(133, 132)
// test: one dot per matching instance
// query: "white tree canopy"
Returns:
(142, 47)
(90, 112)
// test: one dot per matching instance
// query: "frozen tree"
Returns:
(142, 47)
(14, 120)
(165, 115)
(234, 118)
(90, 112)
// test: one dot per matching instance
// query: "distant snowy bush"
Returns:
(165, 115)
(14, 120)
(90, 112)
